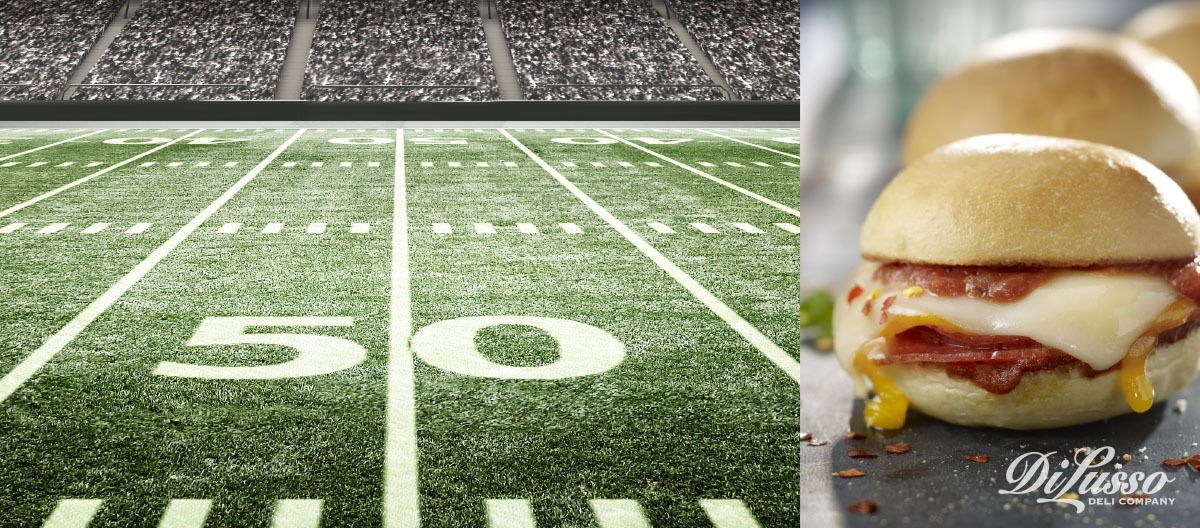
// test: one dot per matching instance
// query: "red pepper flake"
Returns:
(883, 311)
(1174, 462)
(898, 448)
(976, 458)
(855, 435)
(866, 310)
(1132, 500)
(862, 453)
(816, 443)
(865, 507)
(804, 437)
(1194, 461)
(850, 473)
(854, 293)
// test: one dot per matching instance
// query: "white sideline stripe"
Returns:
(704, 228)
(230, 228)
(761, 164)
(95, 228)
(12, 227)
(790, 228)
(230, 164)
(755, 145)
(318, 164)
(10, 164)
(273, 228)
(52, 228)
(619, 513)
(316, 228)
(38, 164)
(92, 176)
(346, 164)
(94, 164)
(186, 513)
(455, 164)
(442, 229)
(571, 229)
(73, 513)
(175, 164)
(201, 163)
(401, 491)
(297, 513)
(360, 229)
(748, 228)
(510, 513)
(790, 164)
(426, 164)
(661, 228)
(57, 342)
(510, 164)
(568, 164)
(481, 164)
(528, 229)
(55, 144)
(624, 164)
(147, 164)
(372, 164)
(728, 513)
(653, 164)
(706, 164)
(484, 228)
(289, 164)
(137, 229)
(699, 172)
(65, 164)
(769, 349)
(597, 164)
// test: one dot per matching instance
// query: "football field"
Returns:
(399, 327)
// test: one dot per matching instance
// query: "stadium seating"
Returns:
(411, 43)
(226, 42)
(43, 41)
(756, 45)
(557, 42)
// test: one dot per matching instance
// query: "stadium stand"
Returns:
(756, 45)
(588, 42)
(401, 50)
(239, 44)
(43, 41)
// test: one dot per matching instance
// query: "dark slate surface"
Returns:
(934, 486)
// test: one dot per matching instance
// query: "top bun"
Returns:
(1013, 200)
(1174, 29)
(1073, 83)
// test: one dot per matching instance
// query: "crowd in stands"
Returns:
(589, 42)
(43, 41)
(230, 42)
(756, 45)
(410, 43)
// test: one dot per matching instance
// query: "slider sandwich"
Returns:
(1023, 282)
(1072, 83)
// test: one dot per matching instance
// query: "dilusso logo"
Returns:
(1034, 472)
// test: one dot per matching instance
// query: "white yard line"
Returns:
(401, 493)
(699, 172)
(93, 176)
(747, 143)
(773, 352)
(55, 144)
(57, 342)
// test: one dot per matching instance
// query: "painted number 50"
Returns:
(318, 354)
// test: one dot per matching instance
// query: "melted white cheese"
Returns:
(1094, 317)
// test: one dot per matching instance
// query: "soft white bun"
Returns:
(1044, 399)
(1008, 199)
(1172, 28)
(1073, 83)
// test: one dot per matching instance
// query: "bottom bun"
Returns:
(1043, 399)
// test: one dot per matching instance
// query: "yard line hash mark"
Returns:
(55, 144)
(31, 364)
(747, 143)
(92, 176)
(773, 352)
(699, 172)
(73, 513)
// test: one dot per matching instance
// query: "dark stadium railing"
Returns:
(66, 89)
(728, 95)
